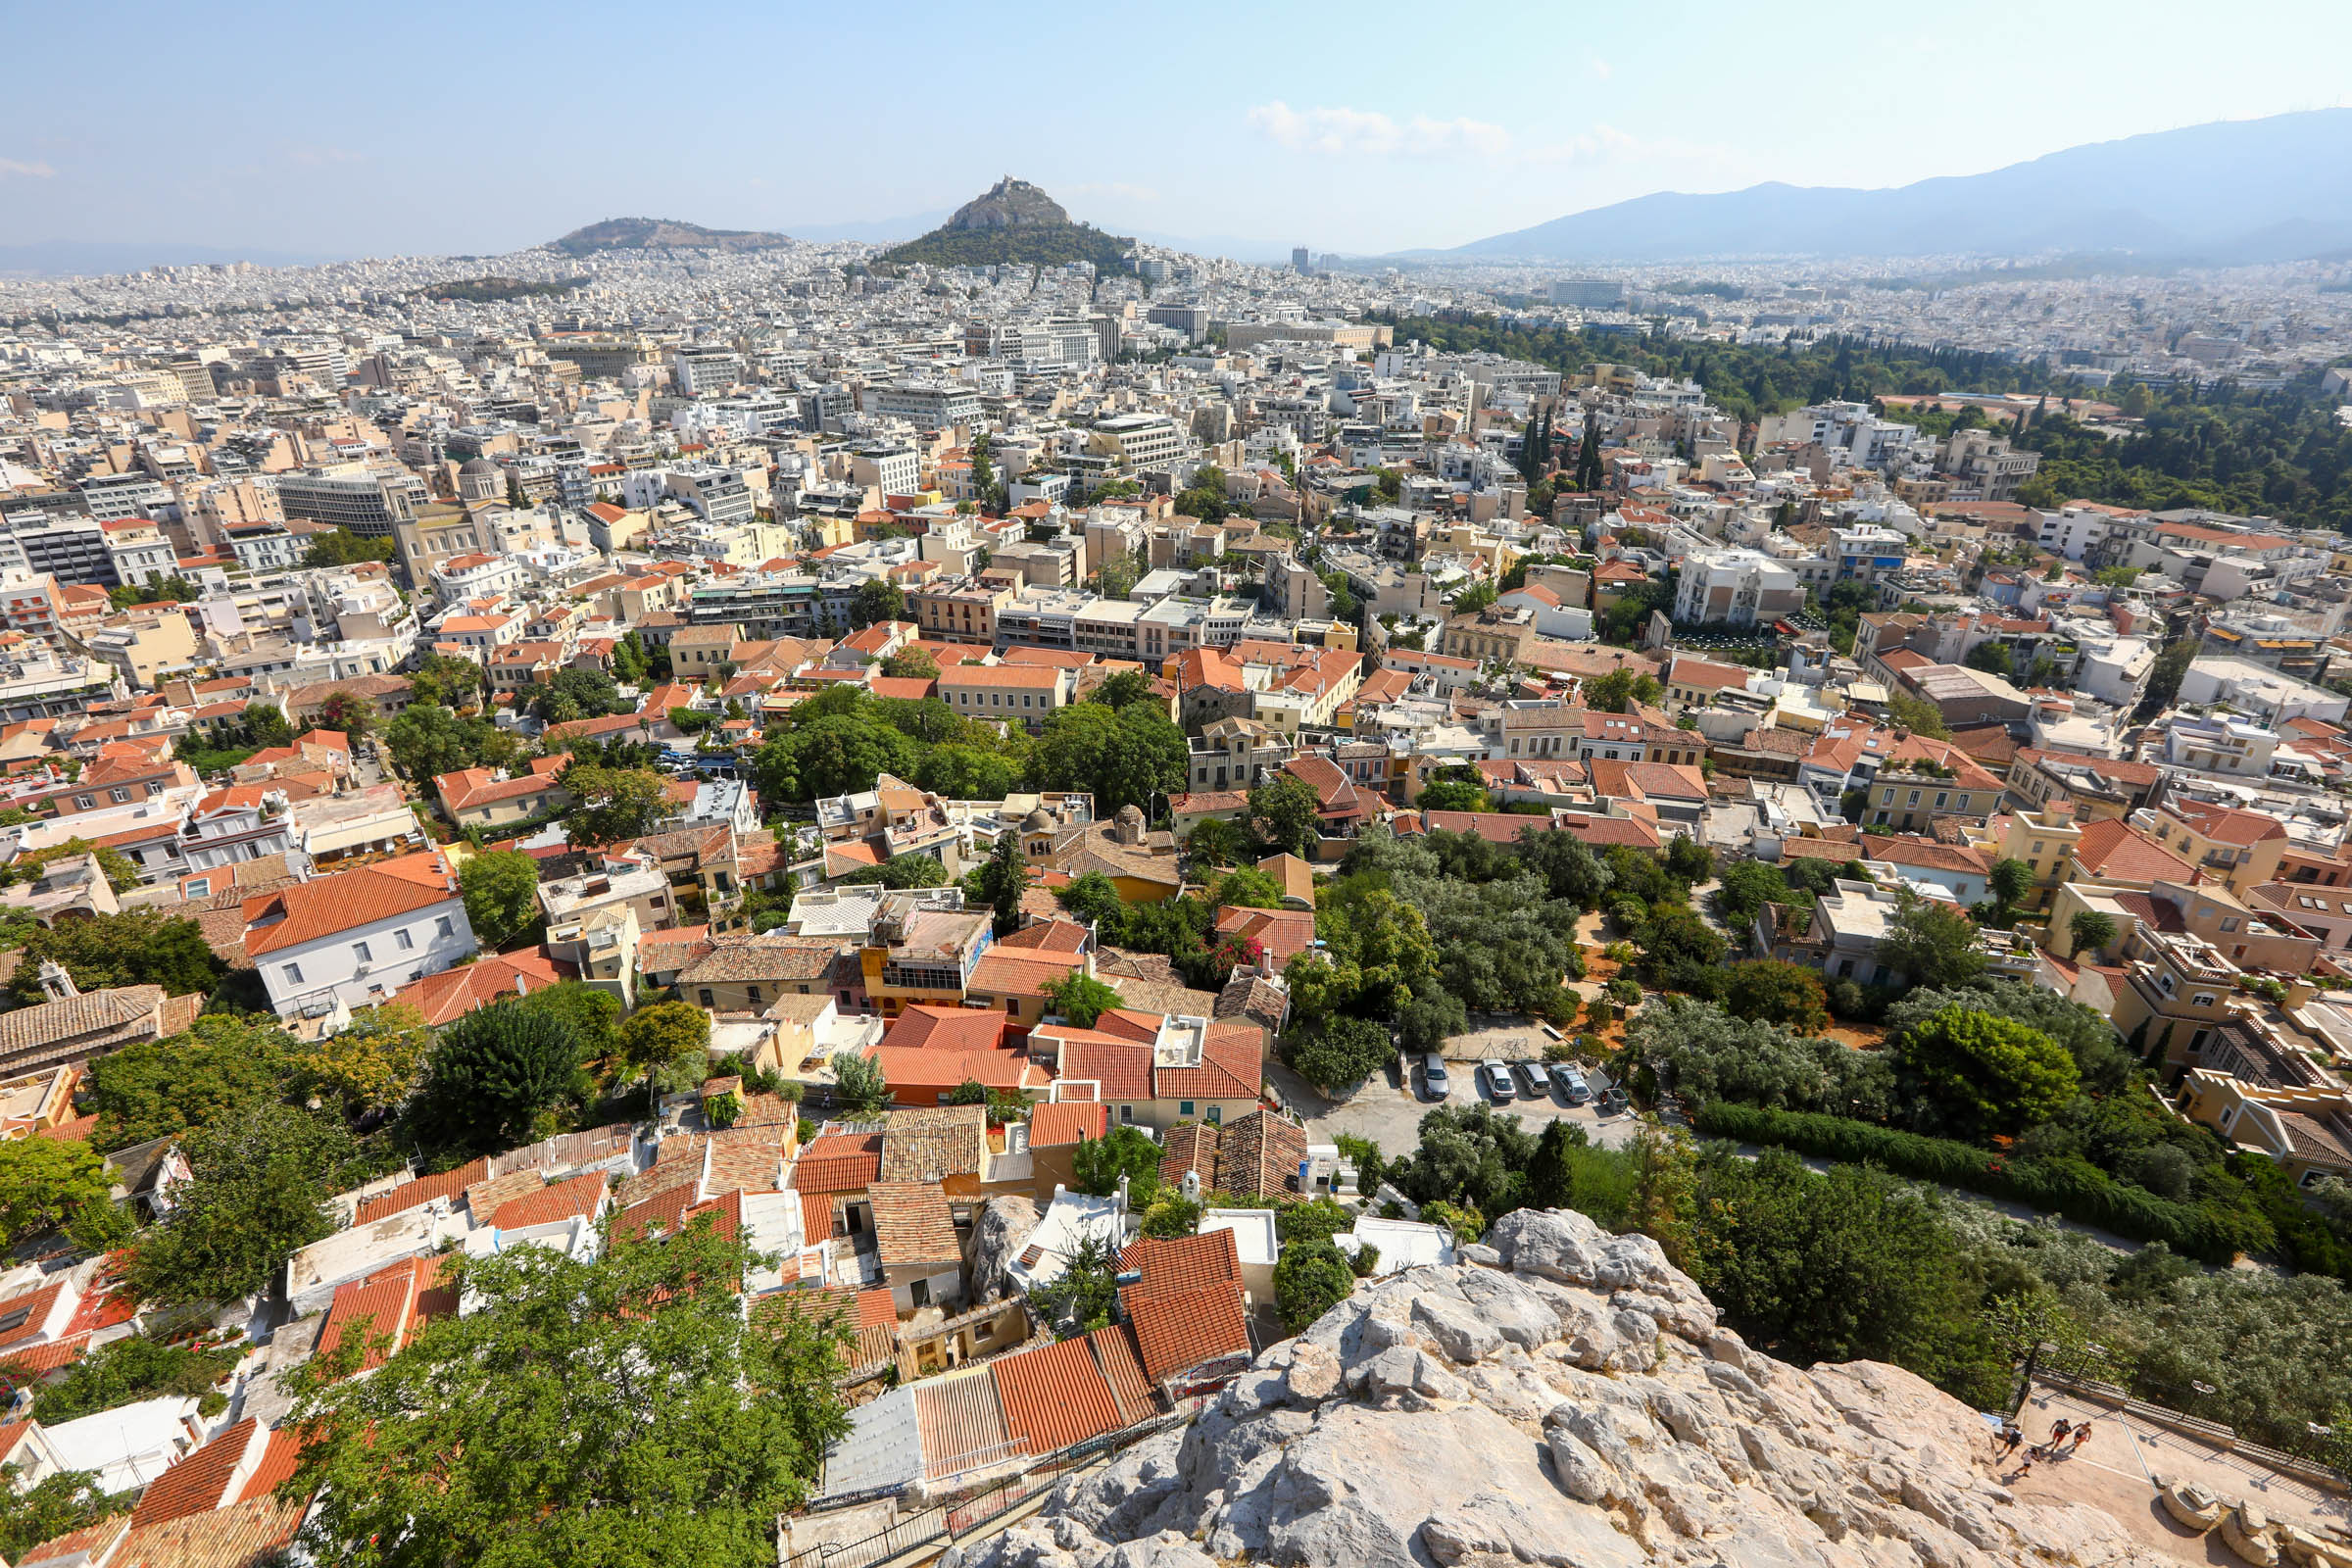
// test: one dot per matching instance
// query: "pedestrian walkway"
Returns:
(2119, 1469)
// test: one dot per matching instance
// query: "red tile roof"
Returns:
(198, 1482)
(1067, 1122)
(560, 1201)
(932, 1028)
(1055, 1396)
(452, 994)
(1122, 1067)
(423, 1189)
(2113, 847)
(1114, 1352)
(1172, 1264)
(1178, 1332)
(307, 912)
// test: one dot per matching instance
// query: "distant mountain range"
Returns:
(1014, 223)
(662, 233)
(2231, 192)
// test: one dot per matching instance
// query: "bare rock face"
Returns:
(1573, 1406)
(1003, 1229)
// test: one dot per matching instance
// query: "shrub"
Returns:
(1310, 1278)
(2070, 1188)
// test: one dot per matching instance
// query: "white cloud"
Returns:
(1602, 68)
(28, 171)
(1367, 132)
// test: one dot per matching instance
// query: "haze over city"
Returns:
(1243, 128)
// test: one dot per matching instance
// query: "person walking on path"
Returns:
(2081, 1436)
(2057, 1435)
(2006, 1440)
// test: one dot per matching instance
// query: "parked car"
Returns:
(1498, 1080)
(1433, 1079)
(1537, 1080)
(1570, 1082)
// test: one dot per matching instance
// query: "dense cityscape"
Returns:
(692, 897)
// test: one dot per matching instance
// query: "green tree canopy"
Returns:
(261, 1179)
(1246, 888)
(858, 1080)
(1931, 943)
(1126, 687)
(56, 1506)
(1469, 1156)
(1617, 690)
(501, 889)
(1083, 1297)
(153, 1088)
(1985, 1073)
(624, 1405)
(877, 599)
(44, 1182)
(653, 1037)
(910, 663)
(614, 803)
(1919, 715)
(134, 947)
(1098, 1163)
(1311, 1276)
(833, 754)
(1093, 897)
(371, 1064)
(1121, 756)
(1338, 1052)
(491, 1075)
(1080, 998)
(1776, 992)
(2091, 929)
(1835, 1267)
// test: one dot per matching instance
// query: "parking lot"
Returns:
(1391, 1116)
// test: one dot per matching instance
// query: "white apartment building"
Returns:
(1135, 441)
(928, 405)
(352, 940)
(1740, 587)
(893, 471)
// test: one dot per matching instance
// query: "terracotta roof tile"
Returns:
(327, 905)
(558, 1201)
(913, 1224)
(931, 1143)
(1055, 1396)
(423, 1190)
(1180, 1330)
(1068, 1122)
(198, 1482)
(1180, 1263)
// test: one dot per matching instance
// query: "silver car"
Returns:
(1571, 1084)
(1498, 1081)
(1537, 1080)
(1432, 1077)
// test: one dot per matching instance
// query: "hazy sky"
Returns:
(422, 127)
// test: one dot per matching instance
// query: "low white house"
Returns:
(351, 940)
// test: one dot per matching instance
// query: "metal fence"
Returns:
(945, 1522)
(2290, 1449)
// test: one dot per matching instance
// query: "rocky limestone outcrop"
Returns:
(1568, 1401)
(1003, 1229)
